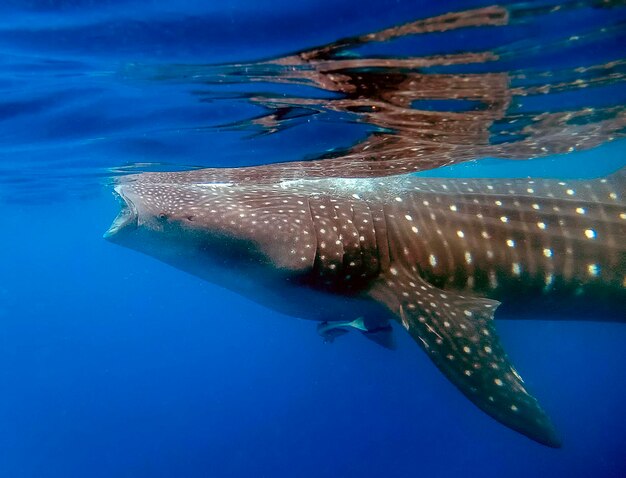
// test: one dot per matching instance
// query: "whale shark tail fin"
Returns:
(458, 334)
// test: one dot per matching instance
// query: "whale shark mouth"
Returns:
(126, 220)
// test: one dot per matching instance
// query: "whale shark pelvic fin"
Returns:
(458, 334)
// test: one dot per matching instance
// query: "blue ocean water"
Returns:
(115, 365)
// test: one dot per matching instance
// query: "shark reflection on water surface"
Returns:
(371, 245)
(423, 112)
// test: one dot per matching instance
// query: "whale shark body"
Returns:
(437, 256)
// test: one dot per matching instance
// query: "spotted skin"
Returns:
(438, 255)
(503, 237)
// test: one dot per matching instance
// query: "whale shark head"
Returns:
(216, 230)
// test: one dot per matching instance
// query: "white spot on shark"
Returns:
(590, 233)
(593, 270)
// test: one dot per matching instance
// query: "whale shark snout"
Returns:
(127, 218)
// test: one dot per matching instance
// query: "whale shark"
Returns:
(436, 256)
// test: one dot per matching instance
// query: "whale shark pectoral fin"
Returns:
(458, 334)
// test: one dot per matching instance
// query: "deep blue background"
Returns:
(114, 365)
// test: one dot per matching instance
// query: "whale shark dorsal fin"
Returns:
(458, 334)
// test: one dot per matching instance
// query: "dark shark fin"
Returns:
(379, 331)
(383, 336)
(458, 334)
